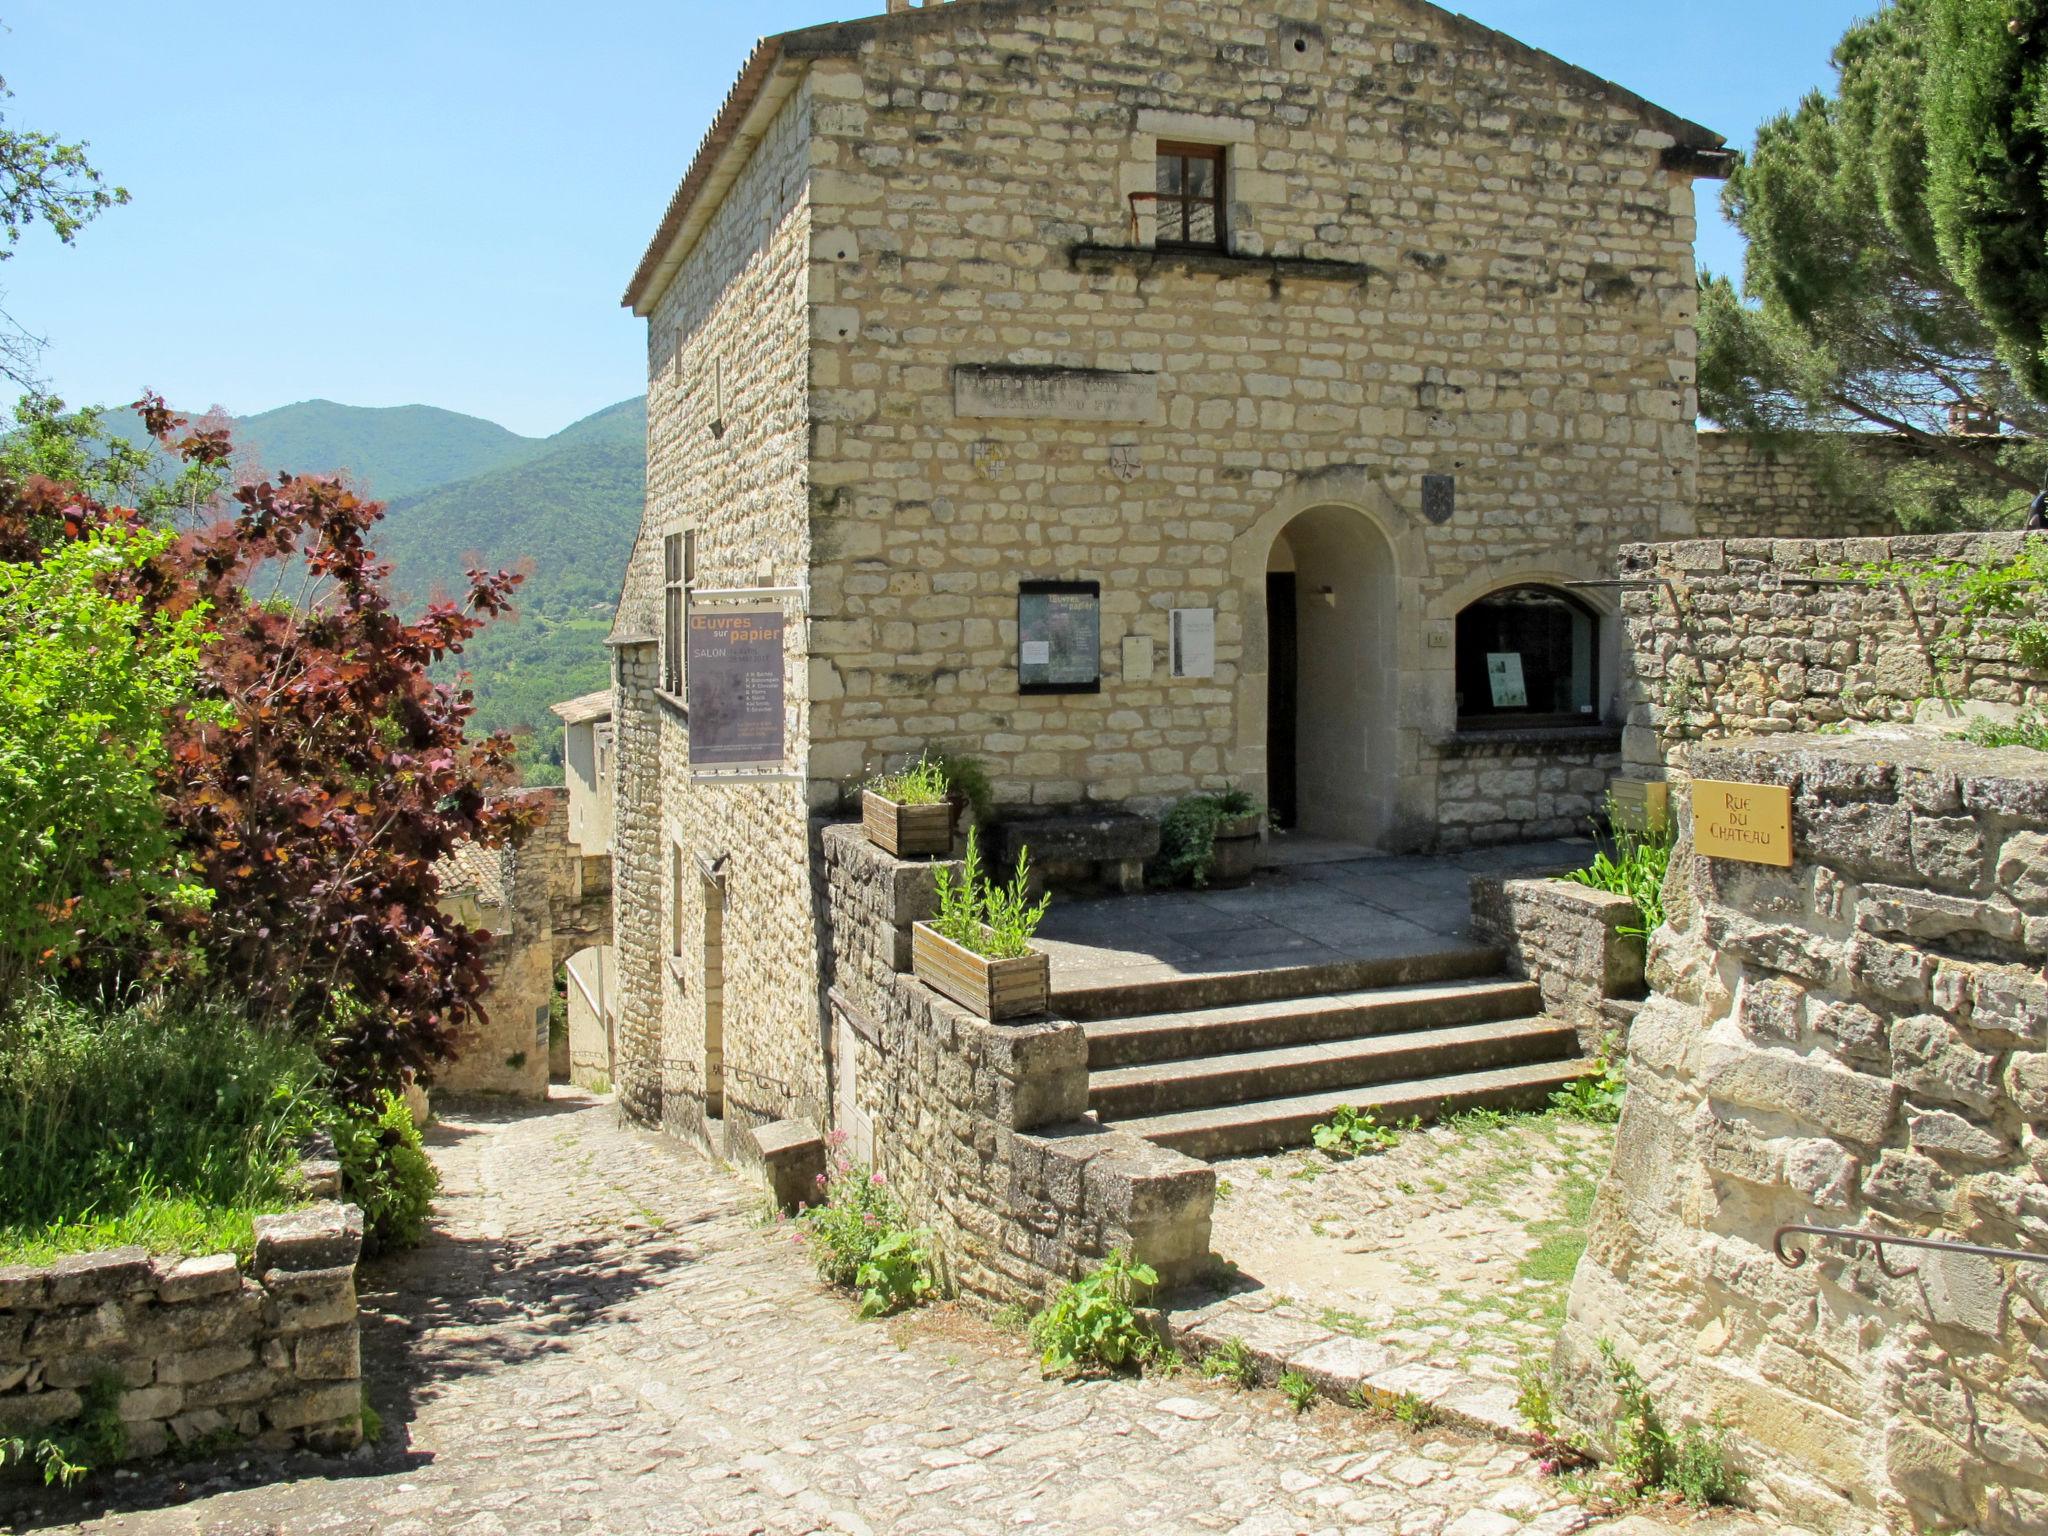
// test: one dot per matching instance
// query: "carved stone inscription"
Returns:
(1054, 394)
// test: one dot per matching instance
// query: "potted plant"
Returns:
(1210, 839)
(977, 951)
(909, 812)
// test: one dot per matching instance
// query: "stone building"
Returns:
(1141, 396)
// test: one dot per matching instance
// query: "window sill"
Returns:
(675, 968)
(1146, 260)
(1469, 740)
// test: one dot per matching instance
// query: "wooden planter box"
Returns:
(906, 830)
(990, 989)
(1236, 858)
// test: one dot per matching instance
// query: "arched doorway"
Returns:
(1331, 676)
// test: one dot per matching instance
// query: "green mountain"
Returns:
(388, 451)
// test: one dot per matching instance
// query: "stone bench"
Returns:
(1086, 848)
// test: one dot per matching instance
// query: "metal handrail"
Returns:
(1792, 1257)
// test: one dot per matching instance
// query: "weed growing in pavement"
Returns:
(1353, 1132)
(861, 1240)
(1298, 1390)
(1232, 1361)
(1092, 1324)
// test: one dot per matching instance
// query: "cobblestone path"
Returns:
(603, 1338)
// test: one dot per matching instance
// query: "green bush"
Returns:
(1635, 869)
(89, 685)
(166, 1123)
(2029, 728)
(1187, 837)
(1091, 1324)
(385, 1170)
(1597, 1099)
(861, 1240)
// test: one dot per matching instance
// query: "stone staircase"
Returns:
(1242, 1062)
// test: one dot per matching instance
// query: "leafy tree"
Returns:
(1987, 156)
(43, 180)
(329, 775)
(91, 683)
(1850, 315)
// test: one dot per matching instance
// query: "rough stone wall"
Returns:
(1749, 492)
(728, 435)
(1568, 939)
(1858, 1042)
(1515, 787)
(199, 1347)
(542, 914)
(1734, 636)
(1520, 316)
(981, 1127)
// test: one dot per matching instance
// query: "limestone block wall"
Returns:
(1860, 1041)
(197, 1347)
(980, 1127)
(1568, 939)
(1512, 787)
(1748, 491)
(719, 1014)
(1506, 295)
(1732, 636)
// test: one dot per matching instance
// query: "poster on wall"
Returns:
(1504, 672)
(1059, 637)
(1193, 647)
(733, 665)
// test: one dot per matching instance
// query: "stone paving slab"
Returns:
(1312, 913)
(601, 1337)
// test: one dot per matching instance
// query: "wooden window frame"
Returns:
(1173, 213)
(678, 572)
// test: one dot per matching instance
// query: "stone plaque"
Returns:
(1749, 822)
(1439, 497)
(734, 670)
(1194, 642)
(1054, 394)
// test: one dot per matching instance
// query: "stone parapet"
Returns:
(1569, 940)
(1859, 1041)
(1728, 637)
(981, 1128)
(198, 1348)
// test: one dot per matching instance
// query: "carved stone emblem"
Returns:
(1125, 462)
(991, 461)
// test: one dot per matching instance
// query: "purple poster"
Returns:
(734, 669)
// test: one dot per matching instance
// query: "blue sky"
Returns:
(390, 201)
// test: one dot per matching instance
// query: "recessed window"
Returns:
(1527, 656)
(1189, 204)
(678, 569)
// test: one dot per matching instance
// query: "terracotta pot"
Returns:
(906, 831)
(989, 989)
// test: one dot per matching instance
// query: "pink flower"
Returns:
(838, 1139)
(875, 1179)
(823, 1181)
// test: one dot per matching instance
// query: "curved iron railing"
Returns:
(1792, 1256)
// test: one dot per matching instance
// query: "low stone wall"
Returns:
(980, 1127)
(1748, 636)
(1860, 1041)
(201, 1349)
(1567, 939)
(1519, 787)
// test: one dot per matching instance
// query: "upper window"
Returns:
(1189, 205)
(678, 569)
(1527, 656)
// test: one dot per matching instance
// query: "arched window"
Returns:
(1528, 656)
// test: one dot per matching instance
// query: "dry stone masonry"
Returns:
(1571, 941)
(201, 1349)
(981, 1127)
(1860, 1041)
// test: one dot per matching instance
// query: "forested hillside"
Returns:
(390, 451)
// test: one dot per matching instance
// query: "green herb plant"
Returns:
(1595, 1099)
(1232, 1361)
(1300, 1392)
(924, 782)
(1353, 1133)
(1092, 1324)
(994, 921)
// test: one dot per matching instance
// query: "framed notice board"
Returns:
(1059, 637)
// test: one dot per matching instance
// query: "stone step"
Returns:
(1303, 1021)
(1122, 1093)
(1454, 960)
(1237, 1130)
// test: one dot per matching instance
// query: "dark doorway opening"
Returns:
(1282, 689)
